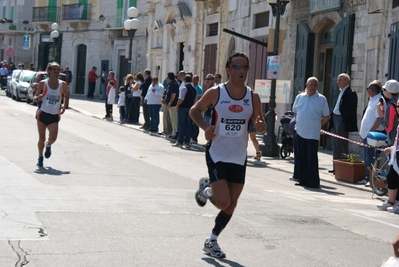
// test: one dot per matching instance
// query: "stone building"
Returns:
(90, 34)
(357, 37)
(16, 31)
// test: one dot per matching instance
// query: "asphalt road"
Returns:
(114, 196)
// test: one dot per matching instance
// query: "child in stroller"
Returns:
(287, 140)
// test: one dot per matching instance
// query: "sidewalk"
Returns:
(96, 109)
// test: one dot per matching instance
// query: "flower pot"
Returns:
(349, 172)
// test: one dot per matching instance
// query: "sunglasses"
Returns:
(209, 79)
(238, 67)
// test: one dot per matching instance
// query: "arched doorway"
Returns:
(81, 69)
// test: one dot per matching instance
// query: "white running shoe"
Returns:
(212, 248)
(199, 195)
(385, 205)
(394, 208)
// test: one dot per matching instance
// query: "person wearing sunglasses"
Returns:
(234, 104)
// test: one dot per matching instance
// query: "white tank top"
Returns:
(51, 100)
(231, 127)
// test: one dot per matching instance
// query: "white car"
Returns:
(22, 84)
(11, 81)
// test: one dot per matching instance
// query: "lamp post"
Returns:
(270, 147)
(54, 35)
(131, 25)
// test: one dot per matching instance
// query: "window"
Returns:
(213, 29)
(261, 20)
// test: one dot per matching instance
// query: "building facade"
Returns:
(16, 31)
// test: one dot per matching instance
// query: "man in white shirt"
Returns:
(370, 122)
(153, 99)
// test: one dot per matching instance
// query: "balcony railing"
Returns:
(45, 14)
(76, 12)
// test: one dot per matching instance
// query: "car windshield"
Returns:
(61, 77)
(27, 77)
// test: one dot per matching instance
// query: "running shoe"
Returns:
(199, 195)
(47, 153)
(40, 161)
(385, 205)
(212, 248)
(394, 208)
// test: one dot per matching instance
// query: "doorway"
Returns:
(81, 70)
(124, 69)
(324, 71)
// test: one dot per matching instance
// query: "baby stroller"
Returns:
(287, 138)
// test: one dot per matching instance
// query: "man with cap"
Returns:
(387, 114)
(343, 117)
(370, 122)
(92, 82)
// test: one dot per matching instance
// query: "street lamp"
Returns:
(271, 148)
(54, 35)
(131, 25)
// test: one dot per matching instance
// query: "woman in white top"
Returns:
(135, 104)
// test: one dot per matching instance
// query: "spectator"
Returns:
(218, 78)
(121, 105)
(311, 112)
(370, 122)
(144, 88)
(389, 119)
(111, 78)
(343, 117)
(171, 101)
(153, 100)
(187, 97)
(135, 104)
(167, 126)
(68, 74)
(128, 83)
(194, 127)
(110, 99)
(5, 64)
(92, 82)
(103, 83)
(31, 67)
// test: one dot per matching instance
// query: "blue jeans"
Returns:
(368, 154)
(184, 125)
(153, 112)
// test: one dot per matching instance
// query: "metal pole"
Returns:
(53, 49)
(131, 35)
(270, 147)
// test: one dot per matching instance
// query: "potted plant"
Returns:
(349, 169)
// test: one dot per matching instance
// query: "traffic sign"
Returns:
(10, 52)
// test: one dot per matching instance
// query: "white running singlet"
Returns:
(231, 127)
(51, 100)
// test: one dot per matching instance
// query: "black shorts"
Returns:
(230, 172)
(47, 118)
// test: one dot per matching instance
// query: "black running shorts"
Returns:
(47, 118)
(230, 172)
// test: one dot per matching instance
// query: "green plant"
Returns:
(352, 157)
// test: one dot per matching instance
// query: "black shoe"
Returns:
(299, 184)
(331, 171)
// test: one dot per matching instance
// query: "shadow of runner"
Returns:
(214, 262)
(51, 171)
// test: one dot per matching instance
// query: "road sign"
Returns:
(273, 63)
(10, 52)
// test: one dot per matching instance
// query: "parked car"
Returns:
(10, 81)
(40, 75)
(22, 84)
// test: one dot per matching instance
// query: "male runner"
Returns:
(234, 106)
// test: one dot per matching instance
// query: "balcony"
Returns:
(76, 14)
(45, 16)
(12, 27)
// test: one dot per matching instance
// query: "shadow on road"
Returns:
(51, 171)
(215, 262)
